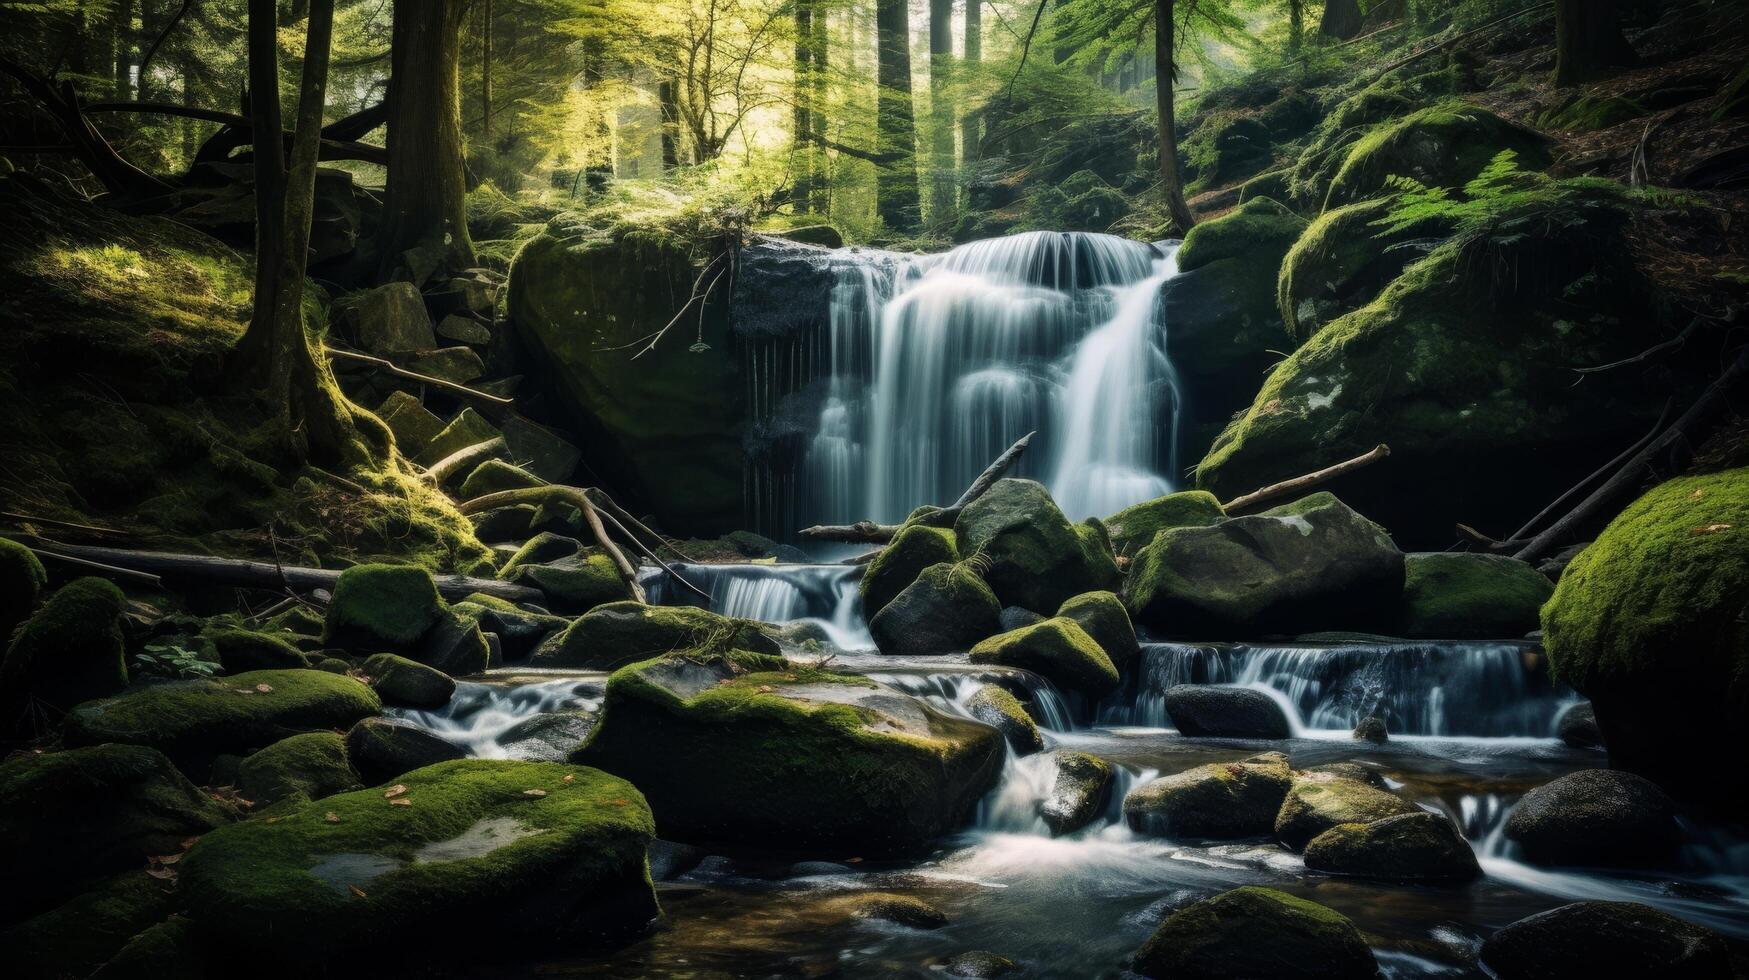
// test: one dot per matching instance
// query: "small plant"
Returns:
(167, 658)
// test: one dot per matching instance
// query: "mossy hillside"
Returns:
(70, 651)
(1136, 525)
(1444, 145)
(912, 550)
(618, 633)
(1058, 650)
(1342, 260)
(1451, 595)
(22, 580)
(382, 606)
(76, 938)
(1036, 558)
(171, 948)
(1389, 97)
(545, 855)
(307, 766)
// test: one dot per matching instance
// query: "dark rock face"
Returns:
(383, 748)
(548, 737)
(1577, 727)
(1079, 793)
(782, 287)
(1208, 711)
(1256, 932)
(1595, 817)
(1410, 846)
(1606, 939)
(946, 610)
(1221, 801)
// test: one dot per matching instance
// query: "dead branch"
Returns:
(331, 149)
(1300, 484)
(868, 532)
(111, 570)
(645, 550)
(389, 367)
(465, 458)
(576, 498)
(1650, 352)
(116, 174)
(606, 503)
(1455, 38)
(1522, 534)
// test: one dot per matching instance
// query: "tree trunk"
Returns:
(820, 202)
(124, 50)
(425, 201)
(802, 123)
(486, 67)
(895, 120)
(670, 104)
(1342, 18)
(941, 113)
(1296, 24)
(1166, 71)
(1588, 41)
(974, 53)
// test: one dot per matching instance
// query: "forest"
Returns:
(874, 488)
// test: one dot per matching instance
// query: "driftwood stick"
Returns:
(390, 367)
(862, 532)
(1300, 484)
(646, 552)
(1523, 534)
(576, 498)
(991, 474)
(868, 532)
(465, 458)
(95, 566)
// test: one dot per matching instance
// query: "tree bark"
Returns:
(820, 201)
(1343, 19)
(895, 121)
(486, 67)
(1588, 40)
(802, 98)
(941, 111)
(1171, 187)
(425, 201)
(670, 105)
(124, 49)
(974, 54)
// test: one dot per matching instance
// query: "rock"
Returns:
(1468, 596)
(1037, 558)
(1256, 932)
(980, 964)
(71, 651)
(1227, 146)
(219, 200)
(468, 428)
(242, 650)
(464, 329)
(1411, 846)
(540, 450)
(547, 737)
(1135, 526)
(1596, 817)
(388, 319)
(1082, 202)
(1219, 801)
(67, 818)
(1647, 624)
(171, 948)
(455, 645)
(1440, 146)
(1308, 565)
(463, 295)
(1218, 711)
(194, 721)
(824, 236)
(903, 910)
(310, 766)
(574, 579)
(494, 476)
(1079, 792)
(749, 749)
(620, 633)
(457, 365)
(1105, 619)
(1342, 260)
(75, 938)
(1355, 771)
(381, 607)
(519, 631)
(1013, 617)
(1058, 650)
(912, 550)
(565, 870)
(1317, 802)
(999, 709)
(1372, 729)
(504, 524)
(947, 609)
(22, 581)
(413, 424)
(382, 749)
(1606, 939)
(407, 683)
(1577, 726)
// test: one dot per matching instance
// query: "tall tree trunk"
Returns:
(486, 67)
(895, 119)
(1588, 40)
(189, 126)
(801, 121)
(974, 53)
(941, 111)
(1296, 24)
(425, 202)
(598, 163)
(1166, 72)
(124, 50)
(1342, 18)
(670, 104)
(820, 201)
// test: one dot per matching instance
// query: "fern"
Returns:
(1501, 202)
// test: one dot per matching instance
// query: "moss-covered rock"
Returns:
(70, 651)
(518, 630)
(1595, 817)
(750, 749)
(468, 428)
(1648, 623)
(240, 650)
(543, 855)
(494, 476)
(1342, 260)
(1227, 146)
(1221, 711)
(311, 766)
(1256, 932)
(912, 550)
(1343, 125)
(1312, 564)
(1460, 596)
(75, 938)
(1441, 146)
(69, 817)
(378, 607)
(575, 579)
(1078, 794)
(620, 633)
(455, 645)
(994, 706)
(172, 948)
(1219, 801)
(194, 721)
(904, 910)
(381, 749)
(408, 683)
(22, 580)
(1103, 616)
(1135, 526)
(1058, 650)
(947, 609)
(1411, 847)
(1037, 559)
(1319, 801)
(413, 425)
(1606, 939)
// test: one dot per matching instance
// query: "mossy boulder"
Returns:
(947, 609)
(413, 425)
(1309, 565)
(194, 721)
(1219, 801)
(740, 748)
(467, 429)
(542, 855)
(1227, 146)
(496, 476)
(1648, 623)
(619, 633)
(70, 651)
(1409, 847)
(1135, 526)
(455, 644)
(912, 550)
(1464, 596)
(407, 683)
(69, 817)
(1256, 932)
(995, 707)
(22, 581)
(1079, 792)
(378, 607)
(76, 938)
(1319, 801)
(172, 948)
(1606, 939)
(1342, 260)
(1441, 146)
(1103, 616)
(381, 749)
(1595, 817)
(575, 579)
(241, 650)
(1059, 651)
(1221, 711)
(309, 766)
(519, 630)
(904, 910)
(1037, 559)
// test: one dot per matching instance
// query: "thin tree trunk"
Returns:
(124, 50)
(1296, 24)
(974, 54)
(1342, 18)
(895, 119)
(670, 105)
(425, 201)
(801, 121)
(1171, 188)
(1588, 41)
(486, 67)
(255, 351)
(819, 202)
(941, 112)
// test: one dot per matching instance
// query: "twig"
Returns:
(1293, 487)
(1448, 42)
(869, 532)
(152, 51)
(1530, 526)
(400, 372)
(28, 518)
(607, 503)
(575, 497)
(656, 337)
(653, 556)
(1676, 341)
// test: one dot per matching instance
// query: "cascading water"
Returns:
(823, 595)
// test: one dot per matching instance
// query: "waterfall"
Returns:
(823, 595)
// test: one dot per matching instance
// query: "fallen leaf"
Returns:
(619, 802)
(394, 791)
(766, 689)
(264, 688)
(331, 817)
(162, 874)
(188, 842)
(357, 892)
(534, 792)
(855, 860)
(403, 801)
(569, 777)
(1697, 495)
(243, 690)
(166, 859)
(1712, 528)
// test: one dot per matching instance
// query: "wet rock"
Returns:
(1221, 801)
(1317, 802)
(575, 579)
(311, 766)
(621, 633)
(824, 236)
(518, 630)
(71, 650)
(455, 645)
(381, 607)
(407, 683)
(547, 737)
(458, 365)
(75, 938)
(981, 964)
(1135, 526)
(22, 580)
(389, 319)
(1353, 770)
(1256, 932)
(1078, 794)
(1577, 727)
(541, 450)
(912, 550)
(1214, 711)
(382, 749)
(904, 910)
(1441, 146)
(1105, 619)
(1459, 596)
(946, 610)
(1037, 559)
(414, 425)
(1002, 711)
(800, 636)
(1595, 817)
(1372, 729)
(1014, 617)
(241, 650)
(1605, 939)
(1058, 650)
(1411, 846)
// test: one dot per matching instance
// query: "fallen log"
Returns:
(1299, 484)
(869, 532)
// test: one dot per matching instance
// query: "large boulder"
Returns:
(1648, 623)
(1310, 565)
(1256, 932)
(996, 707)
(1103, 616)
(241, 650)
(75, 938)
(542, 855)
(1218, 711)
(309, 766)
(1220, 801)
(1342, 260)
(70, 651)
(1606, 939)
(1440, 146)
(1410, 846)
(194, 721)
(1078, 794)
(1037, 559)
(947, 609)
(575, 579)
(388, 319)
(69, 817)
(1319, 801)
(1135, 526)
(1058, 650)
(455, 645)
(381, 607)
(21, 583)
(1595, 817)
(1468, 596)
(912, 550)
(381, 749)
(407, 683)
(620, 633)
(740, 748)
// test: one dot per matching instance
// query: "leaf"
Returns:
(569, 777)
(264, 688)
(534, 792)
(394, 791)
(162, 874)
(1712, 528)
(331, 817)
(403, 801)
(166, 859)
(356, 891)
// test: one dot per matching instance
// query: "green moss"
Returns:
(413, 425)
(1135, 526)
(1058, 650)
(1227, 146)
(77, 937)
(996, 707)
(1441, 146)
(468, 428)
(171, 948)
(1218, 801)
(494, 475)
(1078, 793)
(618, 633)
(1341, 262)
(912, 550)
(574, 579)
(1591, 112)
(378, 606)
(22, 580)
(299, 620)
(1256, 932)
(1103, 616)
(1409, 846)
(1449, 595)
(242, 650)
(1238, 233)
(70, 651)
(404, 682)
(1320, 801)
(308, 766)
(1036, 557)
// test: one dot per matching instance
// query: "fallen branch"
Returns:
(1300, 484)
(1448, 42)
(116, 174)
(1653, 351)
(389, 367)
(576, 498)
(642, 548)
(330, 149)
(99, 566)
(868, 532)
(466, 458)
(1522, 535)
(607, 504)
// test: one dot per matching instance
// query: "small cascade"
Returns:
(1014, 805)
(478, 715)
(950, 690)
(823, 595)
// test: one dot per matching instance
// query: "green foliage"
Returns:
(174, 659)
(1503, 201)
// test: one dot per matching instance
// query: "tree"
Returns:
(974, 53)
(803, 103)
(1588, 40)
(1342, 18)
(424, 204)
(895, 120)
(941, 114)
(1171, 187)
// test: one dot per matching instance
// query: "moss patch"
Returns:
(22, 580)
(618, 633)
(1448, 595)
(1256, 932)
(1440, 146)
(1058, 650)
(1135, 526)
(70, 651)
(309, 766)
(1036, 557)
(912, 550)
(382, 606)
